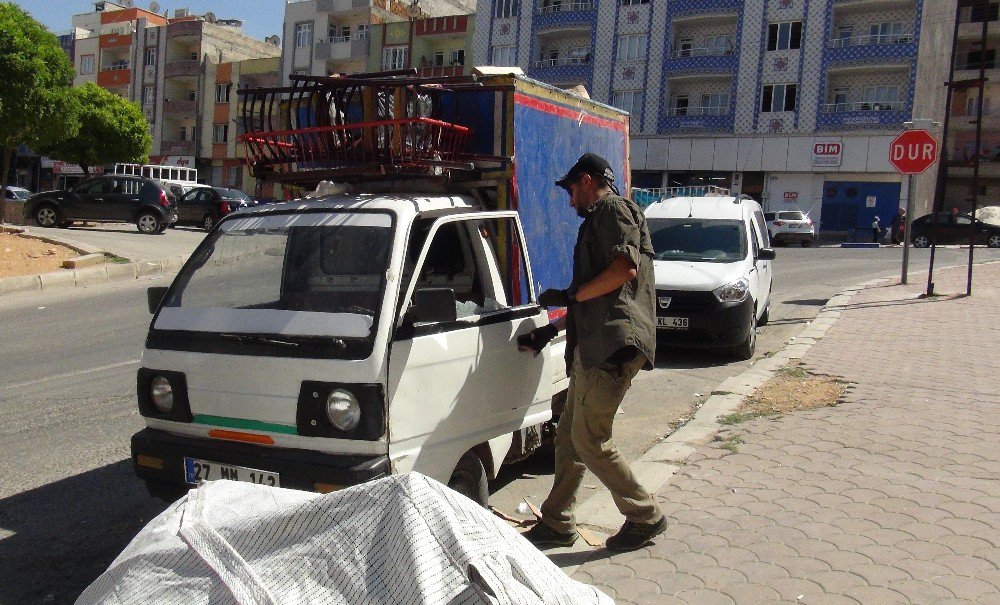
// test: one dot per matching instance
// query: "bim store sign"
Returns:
(827, 154)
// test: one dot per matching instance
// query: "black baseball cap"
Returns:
(592, 164)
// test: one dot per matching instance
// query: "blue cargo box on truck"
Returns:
(505, 132)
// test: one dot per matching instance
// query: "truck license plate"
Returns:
(196, 471)
(672, 323)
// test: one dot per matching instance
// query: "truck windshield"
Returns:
(690, 239)
(315, 274)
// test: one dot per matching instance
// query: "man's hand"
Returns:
(535, 340)
(556, 298)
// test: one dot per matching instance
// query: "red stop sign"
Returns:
(913, 151)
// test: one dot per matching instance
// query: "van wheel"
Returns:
(746, 349)
(806, 243)
(469, 479)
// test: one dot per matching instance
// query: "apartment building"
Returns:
(324, 37)
(435, 46)
(180, 70)
(960, 148)
(794, 102)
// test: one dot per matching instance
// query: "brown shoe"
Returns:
(633, 536)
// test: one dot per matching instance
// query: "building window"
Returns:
(784, 36)
(632, 47)
(303, 34)
(222, 92)
(991, 13)
(680, 105)
(148, 94)
(458, 57)
(439, 58)
(150, 59)
(394, 57)
(719, 46)
(192, 95)
(628, 100)
(507, 8)
(632, 2)
(87, 63)
(882, 97)
(194, 55)
(887, 33)
(778, 97)
(220, 133)
(362, 31)
(503, 56)
(340, 33)
(715, 104)
(182, 133)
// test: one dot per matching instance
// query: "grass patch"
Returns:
(114, 258)
(732, 443)
(741, 417)
(794, 372)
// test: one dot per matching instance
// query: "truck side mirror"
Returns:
(766, 254)
(434, 305)
(154, 296)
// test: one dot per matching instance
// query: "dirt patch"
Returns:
(791, 389)
(29, 256)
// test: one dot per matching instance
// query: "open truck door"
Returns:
(459, 369)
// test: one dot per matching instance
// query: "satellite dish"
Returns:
(210, 17)
(413, 9)
(275, 40)
(154, 7)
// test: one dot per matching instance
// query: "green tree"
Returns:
(35, 76)
(112, 129)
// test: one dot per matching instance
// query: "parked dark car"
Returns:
(953, 229)
(204, 206)
(105, 198)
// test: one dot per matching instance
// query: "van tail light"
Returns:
(779, 223)
(163, 199)
(224, 207)
(809, 222)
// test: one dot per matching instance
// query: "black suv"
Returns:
(110, 197)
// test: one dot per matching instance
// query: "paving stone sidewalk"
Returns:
(893, 496)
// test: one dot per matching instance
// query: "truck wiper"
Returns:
(257, 339)
(269, 340)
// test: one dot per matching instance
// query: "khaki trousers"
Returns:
(583, 441)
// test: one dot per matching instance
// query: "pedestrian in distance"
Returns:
(876, 229)
(610, 336)
(897, 226)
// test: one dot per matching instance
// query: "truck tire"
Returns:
(164, 491)
(469, 479)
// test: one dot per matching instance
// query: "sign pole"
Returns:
(906, 230)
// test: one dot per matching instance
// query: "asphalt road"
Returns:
(69, 502)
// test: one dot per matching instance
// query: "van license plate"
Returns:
(196, 471)
(672, 323)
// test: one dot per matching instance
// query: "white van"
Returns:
(713, 272)
(178, 180)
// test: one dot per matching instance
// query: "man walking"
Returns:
(610, 336)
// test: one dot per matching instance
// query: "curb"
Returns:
(659, 463)
(71, 278)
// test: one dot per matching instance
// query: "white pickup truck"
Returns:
(325, 342)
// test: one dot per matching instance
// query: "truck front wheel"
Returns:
(469, 479)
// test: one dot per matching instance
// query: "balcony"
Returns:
(115, 41)
(862, 115)
(683, 8)
(561, 69)
(872, 48)
(341, 6)
(561, 7)
(180, 109)
(342, 47)
(696, 119)
(441, 70)
(182, 69)
(701, 60)
(178, 148)
(184, 29)
(114, 76)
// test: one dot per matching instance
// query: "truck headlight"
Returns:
(162, 394)
(342, 410)
(734, 292)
